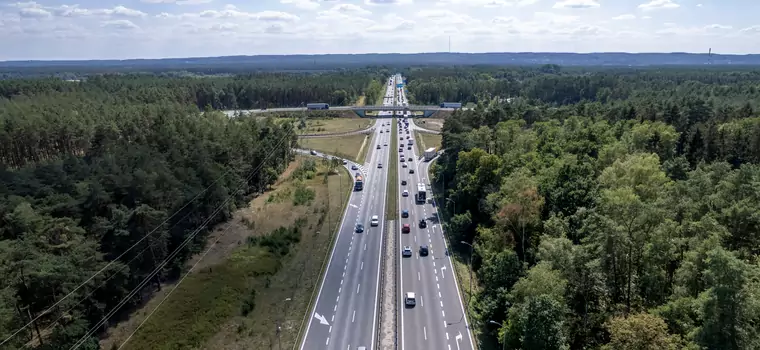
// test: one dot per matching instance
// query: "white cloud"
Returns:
(624, 17)
(349, 9)
(659, 4)
(33, 12)
(576, 4)
(302, 4)
(122, 24)
(388, 2)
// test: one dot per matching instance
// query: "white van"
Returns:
(375, 220)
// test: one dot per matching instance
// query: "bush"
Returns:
(249, 303)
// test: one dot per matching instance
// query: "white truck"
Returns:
(421, 195)
(430, 154)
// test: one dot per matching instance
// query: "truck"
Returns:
(421, 195)
(430, 154)
(317, 106)
(454, 105)
(358, 182)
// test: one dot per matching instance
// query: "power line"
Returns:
(175, 287)
(49, 309)
(172, 255)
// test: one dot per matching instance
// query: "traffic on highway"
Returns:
(345, 311)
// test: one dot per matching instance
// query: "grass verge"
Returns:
(335, 125)
(435, 124)
(425, 141)
(391, 200)
(236, 302)
(353, 147)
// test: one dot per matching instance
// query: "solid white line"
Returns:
(327, 270)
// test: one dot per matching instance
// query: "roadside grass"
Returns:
(425, 141)
(335, 125)
(237, 302)
(391, 199)
(361, 101)
(353, 147)
(435, 124)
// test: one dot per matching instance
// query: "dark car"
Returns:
(411, 171)
(359, 228)
(424, 250)
(405, 228)
(403, 182)
(404, 213)
(423, 223)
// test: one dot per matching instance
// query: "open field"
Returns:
(435, 124)
(425, 141)
(353, 147)
(236, 296)
(335, 125)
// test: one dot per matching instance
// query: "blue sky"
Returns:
(107, 29)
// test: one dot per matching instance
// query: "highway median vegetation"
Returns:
(391, 200)
(273, 251)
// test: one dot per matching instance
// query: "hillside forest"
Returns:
(606, 210)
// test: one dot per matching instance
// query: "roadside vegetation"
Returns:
(333, 125)
(606, 210)
(262, 274)
(425, 140)
(435, 124)
(353, 147)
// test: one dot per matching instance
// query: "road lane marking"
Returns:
(447, 335)
(436, 278)
(357, 288)
(353, 316)
(365, 246)
(335, 308)
(328, 341)
(362, 267)
(337, 299)
(443, 313)
(339, 289)
(439, 295)
(341, 280)
(422, 303)
(418, 277)
(332, 319)
(424, 330)
(439, 286)
(330, 331)
(441, 303)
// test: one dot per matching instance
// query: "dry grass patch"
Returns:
(425, 141)
(335, 125)
(435, 124)
(353, 147)
(279, 244)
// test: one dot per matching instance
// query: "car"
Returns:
(407, 131)
(402, 159)
(423, 223)
(424, 250)
(354, 167)
(410, 300)
(381, 131)
(313, 152)
(374, 221)
(405, 193)
(401, 138)
(379, 165)
(406, 228)
(403, 182)
(407, 251)
(359, 228)
(403, 165)
(387, 130)
(409, 148)
(345, 162)
(411, 171)
(408, 137)
(404, 213)
(385, 144)
(378, 146)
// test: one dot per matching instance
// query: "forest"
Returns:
(608, 209)
(102, 180)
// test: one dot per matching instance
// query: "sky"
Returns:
(119, 29)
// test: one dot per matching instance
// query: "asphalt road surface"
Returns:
(437, 321)
(345, 313)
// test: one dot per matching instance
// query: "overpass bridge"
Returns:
(359, 110)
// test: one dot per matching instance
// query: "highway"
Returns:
(345, 315)
(437, 321)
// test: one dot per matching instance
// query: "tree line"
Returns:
(89, 170)
(607, 210)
